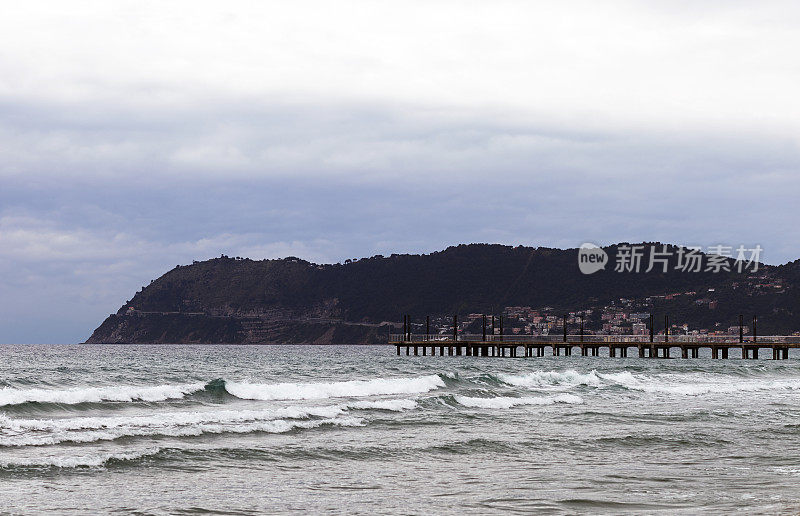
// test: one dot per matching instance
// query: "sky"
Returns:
(135, 136)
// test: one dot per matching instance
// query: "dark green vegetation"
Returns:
(291, 300)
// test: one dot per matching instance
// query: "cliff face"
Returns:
(138, 328)
(233, 300)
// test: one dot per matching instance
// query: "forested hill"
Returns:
(292, 300)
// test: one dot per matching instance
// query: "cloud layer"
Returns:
(139, 135)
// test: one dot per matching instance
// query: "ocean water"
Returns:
(347, 429)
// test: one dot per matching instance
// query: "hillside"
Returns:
(294, 301)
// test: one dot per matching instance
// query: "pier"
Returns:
(660, 345)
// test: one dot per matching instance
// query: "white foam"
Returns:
(43, 432)
(94, 460)
(697, 387)
(503, 402)
(74, 395)
(682, 384)
(346, 389)
(393, 405)
(549, 378)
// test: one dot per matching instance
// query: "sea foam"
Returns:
(503, 402)
(346, 389)
(393, 405)
(76, 461)
(75, 395)
(674, 383)
(43, 432)
(550, 378)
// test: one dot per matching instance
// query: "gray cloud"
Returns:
(377, 135)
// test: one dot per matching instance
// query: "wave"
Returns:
(392, 405)
(75, 395)
(687, 384)
(10, 396)
(345, 389)
(550, 378)
(45, 432)
(503, 402)
(697, 388)
(79, 461)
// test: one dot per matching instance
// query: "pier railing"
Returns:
(605, 339)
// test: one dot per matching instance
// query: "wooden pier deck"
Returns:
(590, 345)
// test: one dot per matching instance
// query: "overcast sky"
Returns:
(138, 135)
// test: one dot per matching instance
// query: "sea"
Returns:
(165, 429)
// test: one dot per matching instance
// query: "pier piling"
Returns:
(497, 344)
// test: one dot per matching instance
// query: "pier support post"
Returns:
(755, 333)
(641, 351)
(714, 352)
(786, 353)
(612, 352)
(427, 327)
(741, 328)
(725, 353)
(684, 352)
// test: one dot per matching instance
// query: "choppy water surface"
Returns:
(254, 429)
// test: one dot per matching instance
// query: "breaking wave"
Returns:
(45, 432)
(79, 461)
(10, 396)
(346, 389)
(76, 395)
(392, 405)
(503, 402)
(549, 378)
(686, 384)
